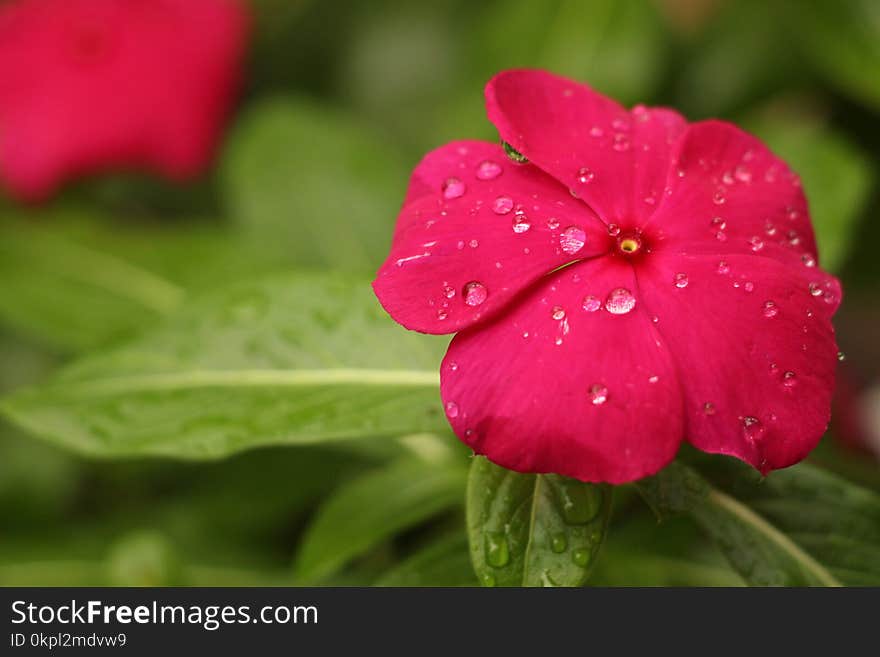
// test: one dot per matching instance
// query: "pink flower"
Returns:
(94, 85)
(637, 282)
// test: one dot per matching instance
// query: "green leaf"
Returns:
(533, 529)
(835, 174)
(616, 46)
(842, 39)
(445, 562)
(366, 511)
(800, 526)
(314, 184)
(292, 359)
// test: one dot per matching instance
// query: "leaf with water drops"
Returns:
(533, 529)
(799, 526)
(366, 511)
(291, 359)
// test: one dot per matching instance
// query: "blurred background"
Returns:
(340, 102)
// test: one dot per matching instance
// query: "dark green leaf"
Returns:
(292, 359)
(366, 511)
(445, 562)
(800, 526)
(533, 530)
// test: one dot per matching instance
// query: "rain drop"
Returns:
(598, 394)
(453, 188)
(502, 205)
(753, 430)
(449, 291)
(757, 243)
(488, 170)
(451, 409)
(770, 309)
(558, 542)
(789, 379)
(497, 552)
(620, 301)
(552, 223)
(521, 223)
(475, 293)
(572, 239)
(613, 230)
(723, 268)
(680, 280)
(442, 314)
(558, 313)
(591, 304)
(581, 557)
(808, 260)
(584, 175)
(718, 198)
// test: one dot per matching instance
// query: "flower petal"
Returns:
(754, 344)
(617, 161)
(731, 194)
(561, 384)
(477, 229)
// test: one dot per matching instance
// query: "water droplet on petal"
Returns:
(451, 409)
(789, 379)
(552, 223)
(473, 244)
(841, 356)
(442, 314)
(653, 379)
(620, 301)
(449, 291)
(753, 430)
(596, 131)
(475, 293)
(621, 143)
(680, 280)
(743, 174)
(808, 260)
(815, 290)
(723, 268)
(502, 205)
(613, 230)
(572, 239)
(709, 408)
(598, 394)
(591, 304)
(757, 243)
(770, 309)
(585, 175)
(718, 197)
(558, 313)
(488, 170)
(521, 223)
(453, 188)
(748, 286)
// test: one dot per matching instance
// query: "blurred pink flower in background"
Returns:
(90, 86)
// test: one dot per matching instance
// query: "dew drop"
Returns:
(552, 223)
(453, 188)
(488, 170)
(558, 542)
(748, 286)
(757, 243)
(451, 409)
(613, 230)
(789, 379)
(521, 223)
(502, 205)
(473, 244)
(808, 260)
(753, 430)
(742, 174)
(621, 143)
(581, 557)
(723, 268)
(709, 408)
(620, 301)
(815, 290)
(718, 223)
(680, 280)
(449, 291)
(497, 552)
(475, 293)
(718, 197)
(770, 309)
(841, 356)
(558, 313)
(596, 131)
(598, 394)
(585, 175)
(591, 304)
(572, 239)
(442, 314)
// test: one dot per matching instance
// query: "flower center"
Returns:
(629, 244)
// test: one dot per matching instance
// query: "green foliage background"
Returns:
(200, 388)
